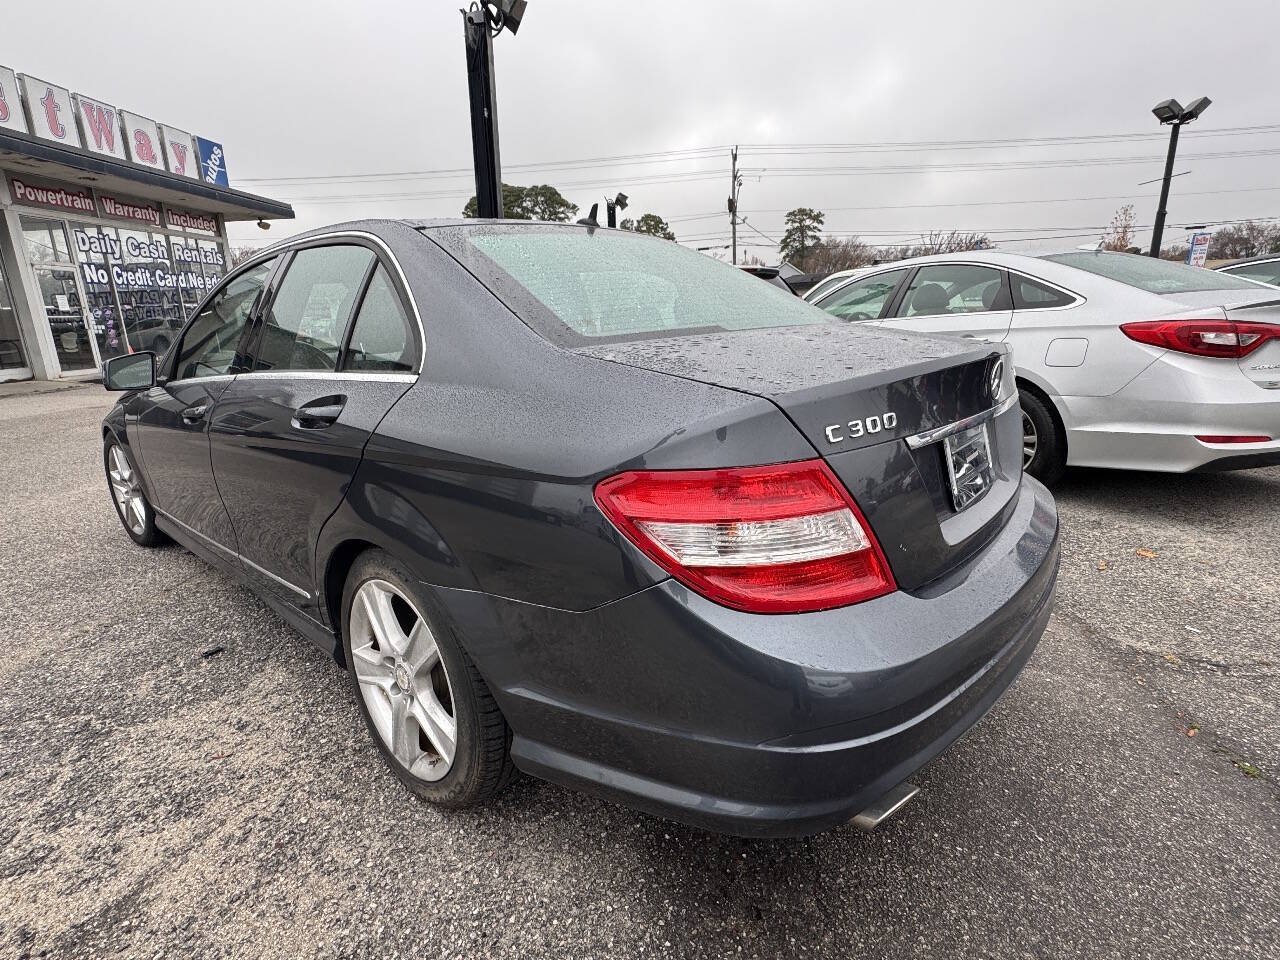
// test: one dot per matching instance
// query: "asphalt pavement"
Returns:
(1122, 800)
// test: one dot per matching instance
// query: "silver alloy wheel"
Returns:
(125, 488)
(1030, 441)
(403, 680)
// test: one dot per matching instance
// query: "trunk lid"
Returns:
(857, 393)
(1262, 366)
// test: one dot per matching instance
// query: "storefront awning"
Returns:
(19, 152)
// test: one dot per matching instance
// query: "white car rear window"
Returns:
(1150, 274)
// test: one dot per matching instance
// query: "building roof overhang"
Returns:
(21, 153)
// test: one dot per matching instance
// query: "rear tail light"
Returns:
(785, 538)
(1232, 438)
(1204, 338)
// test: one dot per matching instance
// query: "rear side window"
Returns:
(1150, 274)
(863, 299)
(1031, 294)
(1266, 272)
(303, 327)
(608, 284)
(948, 288)
(382, 338)
(209, 346)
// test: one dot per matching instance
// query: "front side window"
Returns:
(576, 286)
(1264, 272)
(863, 299)
(381, 338)
(303, 327)
(1151, 274)
(951, 288)
(1031, 294)
(209, 345)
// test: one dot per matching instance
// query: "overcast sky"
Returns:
(321, 89)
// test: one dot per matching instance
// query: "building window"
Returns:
(46, 240)
(12, 354)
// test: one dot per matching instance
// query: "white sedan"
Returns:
(1122, 361)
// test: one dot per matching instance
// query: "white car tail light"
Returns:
(785, 538)
(1204, 338)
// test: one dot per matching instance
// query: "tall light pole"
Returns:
(1175, 115)
(481, 23)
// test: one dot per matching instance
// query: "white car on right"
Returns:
(1122, 361)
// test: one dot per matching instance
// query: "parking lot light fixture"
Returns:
(1175, 115)
(483, 21)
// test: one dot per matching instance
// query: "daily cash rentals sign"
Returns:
(50, 112)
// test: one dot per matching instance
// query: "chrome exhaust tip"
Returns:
(886, 806)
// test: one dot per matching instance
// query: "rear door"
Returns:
(334, 349)
(172, 430)
(960, 299)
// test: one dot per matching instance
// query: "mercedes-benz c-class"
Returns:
(593, 506)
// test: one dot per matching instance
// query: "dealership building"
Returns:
(114, 227)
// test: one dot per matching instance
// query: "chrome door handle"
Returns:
(194, 414)
(319, 413)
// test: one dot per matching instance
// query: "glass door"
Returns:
(68, 322)
(60, 292)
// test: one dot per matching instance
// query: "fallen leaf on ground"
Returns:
(1144, 552)
(1103, 565)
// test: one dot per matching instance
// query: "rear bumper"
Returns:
(764, 725)
(1152, 423)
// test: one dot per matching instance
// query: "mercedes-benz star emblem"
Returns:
(995, 382)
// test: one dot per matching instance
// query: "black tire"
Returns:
(481, 764)
(142, 531)
(1049, 461)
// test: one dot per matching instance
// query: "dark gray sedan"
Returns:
(587, 504)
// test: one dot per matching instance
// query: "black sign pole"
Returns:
(484, 115)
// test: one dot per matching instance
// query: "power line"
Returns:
(978, 203)
(989, 166)
(695, 153)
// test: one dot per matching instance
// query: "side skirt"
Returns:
(316, 632)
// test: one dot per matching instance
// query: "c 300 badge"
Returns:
(860, 428)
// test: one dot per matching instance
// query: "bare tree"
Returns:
(1249, 239)
(954, 241)
(1119, 235)
(832, 255)
(240, 254)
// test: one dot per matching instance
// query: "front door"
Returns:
(958, 299)
(69, 322)
(173, 422)
(287, 437)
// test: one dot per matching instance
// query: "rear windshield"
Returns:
(1150, 274)
(592, 286)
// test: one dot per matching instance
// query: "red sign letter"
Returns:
(144, 151)
(4, 107)
(51, 108)
(179, 151)
(101, 123)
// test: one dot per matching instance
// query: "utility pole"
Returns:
(735, 183)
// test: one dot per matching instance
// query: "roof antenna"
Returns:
(590, 220)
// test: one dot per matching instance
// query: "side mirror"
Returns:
(134, 371)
